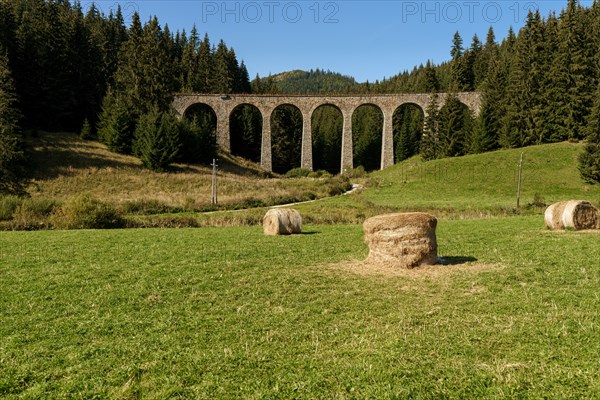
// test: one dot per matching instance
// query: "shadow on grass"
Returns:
(456, 260)
(311, 233)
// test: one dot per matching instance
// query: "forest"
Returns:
(63, 68)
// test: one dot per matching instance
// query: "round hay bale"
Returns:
(580, 215)
(282, 221)
(403, 240)
(553, 215)
(574, 214)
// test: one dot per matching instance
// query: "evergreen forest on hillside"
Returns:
(63, 68)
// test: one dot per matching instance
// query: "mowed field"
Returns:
(229, 313)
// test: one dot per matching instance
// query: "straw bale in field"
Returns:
(575, 214)
(403, 240)
(282, 221)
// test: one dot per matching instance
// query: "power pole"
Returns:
(519, 184)
(213, 200)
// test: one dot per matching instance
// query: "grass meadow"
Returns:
(62, 166)
(229, 313)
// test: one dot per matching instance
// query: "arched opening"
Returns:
(408, 130)
(245, 124)
(199, 139)
(327, 123)
(286, 138)
(367, 133)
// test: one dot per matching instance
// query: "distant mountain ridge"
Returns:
(314, 81)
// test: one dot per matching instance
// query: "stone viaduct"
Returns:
(223, 106)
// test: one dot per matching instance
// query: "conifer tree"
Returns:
(198, 138)
(286, 128)
(116, 124)
(11, 154)
(589, 160)
(86, 130)
(573, 74)
(223, 73)
(430, 144)
(459, 65)
(189, 63)
(453, 128)
(205, 74)
(432, 83)
(157, 139)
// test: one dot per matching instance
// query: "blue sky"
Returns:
(368, 40)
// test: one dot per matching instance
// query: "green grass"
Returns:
(474, 186)
(485, 180)
(229, 313)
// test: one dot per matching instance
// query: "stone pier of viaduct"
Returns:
(223, 106)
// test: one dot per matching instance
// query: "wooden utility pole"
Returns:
(213, 200)
(519, 184)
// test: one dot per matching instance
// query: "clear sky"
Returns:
(368, 40)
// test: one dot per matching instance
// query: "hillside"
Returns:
(62, 166)
(314, 81)
(469, 186)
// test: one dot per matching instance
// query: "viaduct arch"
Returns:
(223, 105)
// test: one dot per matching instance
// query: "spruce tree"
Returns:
(189, 63)
(223, 74)
(198, 138)
(205, 74)
(454, 127)
(460, 66)
(589, 160)
(573, 72)
(86, 130)
(116, 124)
(11, 154)
(157, 139)
(286, 140)
(432, 83)
(430, 143)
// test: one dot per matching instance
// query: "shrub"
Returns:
(147, 207)
(27, 213)
(538, 201)
(26, 219)
(41, 206)
(338, 186)
(358, 172)
(320, 174)
(8, 205)
(85, 212)
(297, 173)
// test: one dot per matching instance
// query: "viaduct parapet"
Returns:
(223, 106)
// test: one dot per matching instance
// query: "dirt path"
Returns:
(355, 187)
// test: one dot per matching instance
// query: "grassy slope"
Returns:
(63, 166)
(470, 186)
(228, 313)
(485, 180)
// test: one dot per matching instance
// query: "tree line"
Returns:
(65, 69)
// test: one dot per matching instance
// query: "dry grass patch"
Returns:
(376, 269)
(64, 166)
